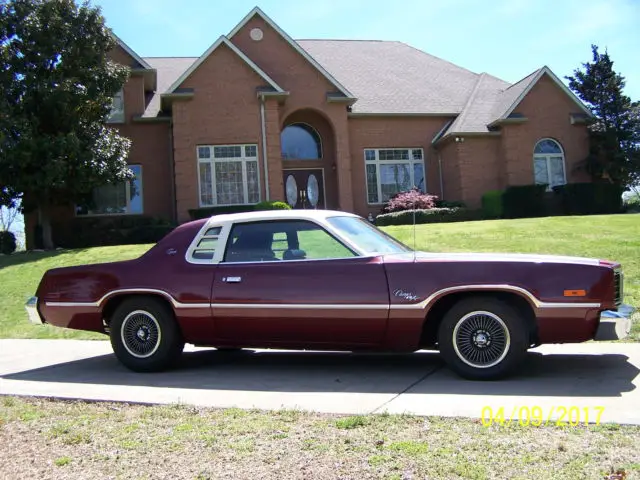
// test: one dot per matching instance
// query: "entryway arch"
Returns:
(307, 143)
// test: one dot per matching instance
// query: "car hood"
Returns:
(490, 257)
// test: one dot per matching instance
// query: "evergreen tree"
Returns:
(614, 132)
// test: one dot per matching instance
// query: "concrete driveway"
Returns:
(585, 376)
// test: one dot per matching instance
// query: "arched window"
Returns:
(548, 163)
(300, 141)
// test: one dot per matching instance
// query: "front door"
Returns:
(304, 188)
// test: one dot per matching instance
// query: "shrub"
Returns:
(431, 215)
(632, 203)
(492, 204)
(520, 201)
(449, 204)
(206, 212)
(270, 205)
(7, 242)
(589, 198)
(409, 200)
(86, 232)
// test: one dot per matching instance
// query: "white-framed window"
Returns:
(548, 163)
(123, 198)
(392, 170)
(228, 175)
(117, 108)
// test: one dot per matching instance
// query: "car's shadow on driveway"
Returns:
(422, 372)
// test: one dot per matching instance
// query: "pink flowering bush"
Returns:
(410, 200)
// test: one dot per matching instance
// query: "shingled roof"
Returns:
(169, 70)
(389, 77)
(393, 77)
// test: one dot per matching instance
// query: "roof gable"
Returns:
(478, 111)
(515, 94)
(493, 101)
(143, 64)
(222, 40)
(330, 78)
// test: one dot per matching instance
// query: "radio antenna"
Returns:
(414, 229)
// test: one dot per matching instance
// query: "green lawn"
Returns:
(615, 237)
(19, 277)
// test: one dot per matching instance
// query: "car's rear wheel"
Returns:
(144, 335)
(483, 338)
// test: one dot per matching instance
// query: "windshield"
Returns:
(366, 236)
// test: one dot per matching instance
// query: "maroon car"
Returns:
(328, 280)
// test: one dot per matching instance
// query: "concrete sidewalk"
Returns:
(585, 376)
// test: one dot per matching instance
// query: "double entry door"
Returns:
(304, 188)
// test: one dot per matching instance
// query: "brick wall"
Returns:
(547, 108)
(224, 110)
(307, 89)
(388, 132)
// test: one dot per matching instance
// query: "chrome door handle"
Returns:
(232, 279)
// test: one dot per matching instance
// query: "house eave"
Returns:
(141, 119)
(403, 114)
(150, 76)
(339, 98)
(177, 96)
(462, 135)
(507, 121)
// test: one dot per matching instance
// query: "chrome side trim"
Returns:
(306, 306)
(97, 304)
(311, 306)
(537, 303)
(569, 305)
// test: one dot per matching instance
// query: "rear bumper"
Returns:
(32, 311)
(615, 325)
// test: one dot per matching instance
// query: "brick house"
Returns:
(330, 124)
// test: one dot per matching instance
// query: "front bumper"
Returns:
(615, 325)
(32, 311)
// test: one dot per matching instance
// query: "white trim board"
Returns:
(294, 44)
(133, 54)
(222, 40)
(533, 82)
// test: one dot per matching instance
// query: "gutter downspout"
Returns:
(264, 149)
(440, 171)
(172, 169)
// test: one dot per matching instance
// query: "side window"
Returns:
(117, 108)
(282, 241)
(318, 244)
(205, 249)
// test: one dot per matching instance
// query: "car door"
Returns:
(291, 283)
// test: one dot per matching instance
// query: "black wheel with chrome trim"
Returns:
(483, 338)
(144, 334)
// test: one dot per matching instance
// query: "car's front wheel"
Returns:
(483, 338)
(144, 334)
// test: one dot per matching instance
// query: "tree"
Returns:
(614, 130)
(58, 84)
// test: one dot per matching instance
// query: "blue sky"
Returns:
(506, 38)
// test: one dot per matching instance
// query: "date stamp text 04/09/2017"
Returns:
(536, 416)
